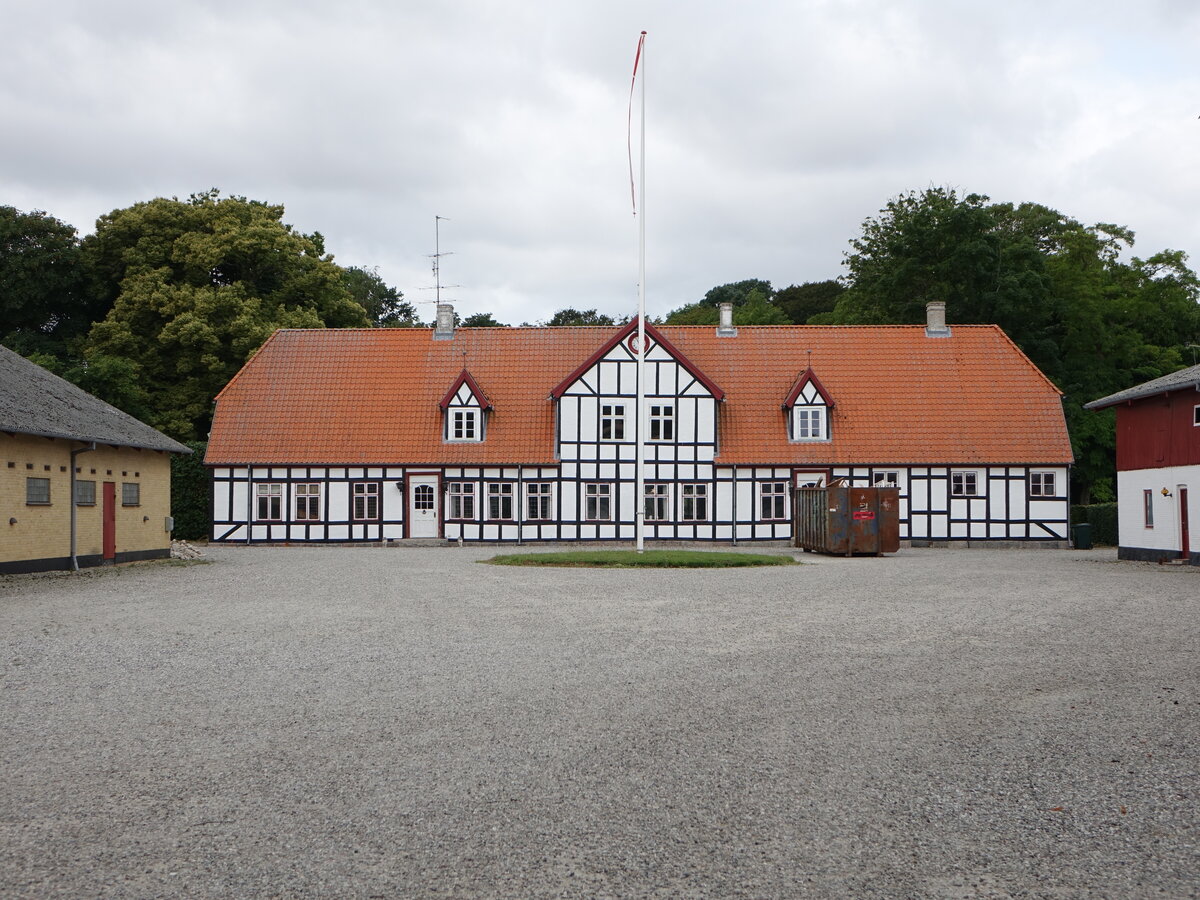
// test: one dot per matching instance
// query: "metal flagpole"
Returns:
(640, 499)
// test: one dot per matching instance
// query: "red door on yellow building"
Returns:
(110, 521)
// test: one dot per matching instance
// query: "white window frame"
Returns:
(464, 426)
(539, 501)
(885, 478)
(597, 502)
(1038, 483)
(500, 497)
(661, 420)
(962, 477)
(612, 421)
(365, 501)
(693, 503)
(307, 495)
(268, 495)
(809, 419)
(1196, 416)
(460, 496)
(657, 502)
(773, 494)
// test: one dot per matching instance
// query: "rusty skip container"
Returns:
(845, 520)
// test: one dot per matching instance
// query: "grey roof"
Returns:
(1184, 378)
(35, 401)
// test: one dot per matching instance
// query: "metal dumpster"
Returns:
(846, 520)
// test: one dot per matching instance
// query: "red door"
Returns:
(1184, 547)
(110, 521)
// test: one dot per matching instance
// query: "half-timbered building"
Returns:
(1158, 466)
(529, 434)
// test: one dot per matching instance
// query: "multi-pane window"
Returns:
(539, 500)
(662, 422)
(1041, 484)
(270, 502)
(131, 493)
(964, 484)
(366, 500)
(658, 502)
(462, 499)
(500, 500)
(612, 422)
(85, 493)
(423, 498)
(464, 425)
(37, 491)
(773, 500)
(810, 424)
(694, 502)
(1148, 508)
(308, 502)
(885, 479)
(597, 502)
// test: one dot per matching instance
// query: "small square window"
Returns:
(773, 501)
(464, 425)
(809, 424)
(662, 422)
(612, 422)
(308, 502)
(885, 479)
(461, 495)
(964, 484)
(85, 493)
(694, 499)
(37, 491)
(131, 493)
(500, 500)
(1041, 484)
(270, 502)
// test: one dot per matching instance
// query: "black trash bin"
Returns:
(1083, 536)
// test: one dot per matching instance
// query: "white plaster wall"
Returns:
(1165, 535)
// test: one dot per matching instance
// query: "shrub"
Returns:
(1103, 519)
(190, 494)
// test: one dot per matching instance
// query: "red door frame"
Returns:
(110, 520)
(1184, 549)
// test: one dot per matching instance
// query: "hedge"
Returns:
(191, 494)
(1103, 519)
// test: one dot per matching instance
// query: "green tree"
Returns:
(738, 292)
(197, 286)
(758, 310)
(1061, 290)
(43, 298)
(800, 302)
(571, 316)
(385, 306)
(698, 313)
(482, 320)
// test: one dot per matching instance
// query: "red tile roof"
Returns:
(371, 396)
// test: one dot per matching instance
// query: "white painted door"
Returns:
(422, 506)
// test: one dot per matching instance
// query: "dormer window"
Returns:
(464, 425)
(465, 409)
(807, 407)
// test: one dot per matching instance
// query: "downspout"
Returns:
(735, 518)
(74, 506)
(250, 503)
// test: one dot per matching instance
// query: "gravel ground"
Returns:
(314, 722)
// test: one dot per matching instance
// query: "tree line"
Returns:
(158, 308)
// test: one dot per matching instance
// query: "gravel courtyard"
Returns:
(334, 722)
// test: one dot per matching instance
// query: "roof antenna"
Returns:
(436, 256)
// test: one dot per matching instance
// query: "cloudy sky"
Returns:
(773, 128)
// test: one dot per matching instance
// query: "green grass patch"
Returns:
(651, 559)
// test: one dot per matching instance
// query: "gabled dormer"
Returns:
(465, 408)
(807, 409)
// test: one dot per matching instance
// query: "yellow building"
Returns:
(81, 483)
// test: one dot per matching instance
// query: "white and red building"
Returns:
(1158, 466)
(529, 434)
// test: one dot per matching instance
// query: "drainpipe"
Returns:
(74, 507)
(735, 493)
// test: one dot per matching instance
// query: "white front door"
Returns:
(422, 506)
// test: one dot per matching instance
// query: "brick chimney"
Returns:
(935, 319)
(725, 328)
(443, 329)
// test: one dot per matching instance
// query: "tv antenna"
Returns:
(436, 256)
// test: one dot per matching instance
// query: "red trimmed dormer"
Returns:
(807, 408)
(465, 407)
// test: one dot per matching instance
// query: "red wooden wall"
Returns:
(1159, 431)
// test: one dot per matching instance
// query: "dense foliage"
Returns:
(190, 495)
(1103, 519)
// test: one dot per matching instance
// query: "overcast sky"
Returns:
(773, 129)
